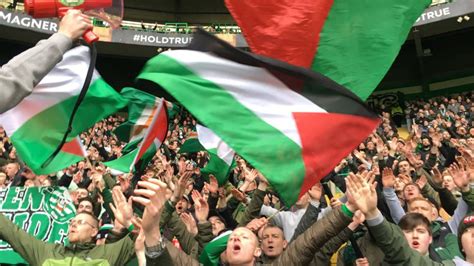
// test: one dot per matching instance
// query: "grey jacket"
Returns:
(22, 73)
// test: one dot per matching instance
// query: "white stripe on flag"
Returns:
(63, 81)
(253, 87)
(210, 140)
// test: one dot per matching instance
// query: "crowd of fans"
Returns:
(392, 200)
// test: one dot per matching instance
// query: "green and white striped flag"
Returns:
(221, 156)
(38, 123)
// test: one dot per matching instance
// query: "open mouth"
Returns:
(236, 248)
(415, 244)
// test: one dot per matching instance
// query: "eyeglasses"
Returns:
(81, 222)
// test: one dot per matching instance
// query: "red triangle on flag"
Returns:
(326, 139)
(74, 147)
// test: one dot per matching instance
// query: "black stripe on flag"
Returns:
(321, 90)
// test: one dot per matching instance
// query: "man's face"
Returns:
(85, 206)
(11, 169)
(419, 239)
(410, 192)
(273, 242)
(422, 207)
(448, 183)
(82, 229)
(82, 193)
(404, 167)
(467, 242)
(242, 247)
(217, 225)
(446, 136)
(181, 206)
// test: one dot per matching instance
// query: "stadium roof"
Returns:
(190, 11)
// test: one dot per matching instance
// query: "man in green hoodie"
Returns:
(83, 229)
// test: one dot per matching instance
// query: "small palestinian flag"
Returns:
(353, 42)
(292, 124)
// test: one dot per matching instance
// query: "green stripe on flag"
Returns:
(217, 167)
(123, 163)
(283, 164)
(38, 137)
(191, 145)
(361, 39)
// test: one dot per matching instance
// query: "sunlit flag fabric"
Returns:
(353, 42)
(292, 124)
(37, 124)
(221, 156)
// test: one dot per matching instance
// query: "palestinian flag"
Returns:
(292, 124)
(38, 123)
(145, 147)
(210, 256)
(352, 42)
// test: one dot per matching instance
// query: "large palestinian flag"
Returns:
(353, 42)
(292, 124)
(37, 124)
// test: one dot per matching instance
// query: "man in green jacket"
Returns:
(83, 229)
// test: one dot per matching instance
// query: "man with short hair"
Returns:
(83, 229)
(417, 231)
(273, 242)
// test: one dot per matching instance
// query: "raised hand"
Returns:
(460, 177)
(437, 176)
(201, 208)
(238, 195)
(123, 211)
(358, 218)
(251, 175)
(422, 181)
(256, 224)
(190, 223)
(362, 194)
(183, 182)
(152, 195)
(213, 185)
(388, 178)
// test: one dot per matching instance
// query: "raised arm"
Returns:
(21, 74)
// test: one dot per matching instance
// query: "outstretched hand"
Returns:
(362, 194)
(152, 195)
(123, 211)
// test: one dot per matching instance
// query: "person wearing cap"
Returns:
(466, 237)
(21, 74)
